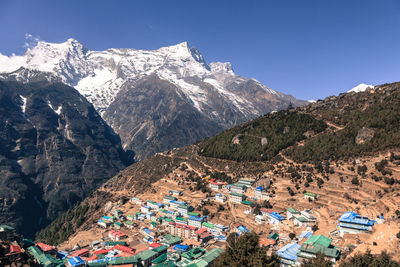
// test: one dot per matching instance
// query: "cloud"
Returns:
(30, 40)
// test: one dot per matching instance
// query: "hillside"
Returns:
(367, 122)
(55, 149)
(366, 181)
(263, 138)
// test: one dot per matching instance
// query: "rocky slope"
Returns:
(54, 150)
(119, 83)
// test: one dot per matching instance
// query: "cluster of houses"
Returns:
(236, 192)
(308, 245)
(175, 235)
(168, 250)
(293, 254)
(188, 231)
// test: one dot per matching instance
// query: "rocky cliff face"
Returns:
(117, 80)
(54, 149)
(151, 116)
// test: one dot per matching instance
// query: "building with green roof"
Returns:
(273, 236)
(97, 264)
(310, 195)
(181, 220)
(160, 259)
(144, 258)
(207, 259)
(161, 249)
(6, 232)
(236, 197)
(319, 240)
(166, 221)
(129, 224)
(117, 225)
(43, 259)
(291, 212)
(238, 188)
(247, 202)
(171, 240)
(194, 253)
(318, 244)
(208, 225)
(167, 263)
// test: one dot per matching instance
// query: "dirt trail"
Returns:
(337, 127)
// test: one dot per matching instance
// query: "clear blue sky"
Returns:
(310, 49)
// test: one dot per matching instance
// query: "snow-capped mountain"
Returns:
(213, 91)
(361, 88)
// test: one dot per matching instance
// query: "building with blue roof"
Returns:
(174, 204)
(353, 223)
(304, 234)
(76, 262)
(181, 247)
(61, 254)
(275, 218)
(107, 219)
(147, 231)
(243, 229)
(288, 254)
(196, 221)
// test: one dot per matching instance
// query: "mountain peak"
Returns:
(180, 48)
(361, 88)
(72, 40)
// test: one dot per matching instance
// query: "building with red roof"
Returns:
(117, 235)
(46, 248)
(124, 248)
(14, 250)
(154, 245)
(125, 254)
(201, 230)
(265, 212)
(102, 251)
(216, 185)
(81, 253)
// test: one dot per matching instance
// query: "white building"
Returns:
(236, 197)
(216, 186)
(291, 213)
(195, 221)
(259, 219)
(175, 204)
(220, 198)
(238, 188)
(145, 209)
(183, 210)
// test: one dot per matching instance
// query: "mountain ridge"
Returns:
(213, 89)
(55, 150)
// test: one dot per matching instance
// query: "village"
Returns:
(167, 231)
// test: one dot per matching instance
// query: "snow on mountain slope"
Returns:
(361, 88)
(155, 100)
(99, 75)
